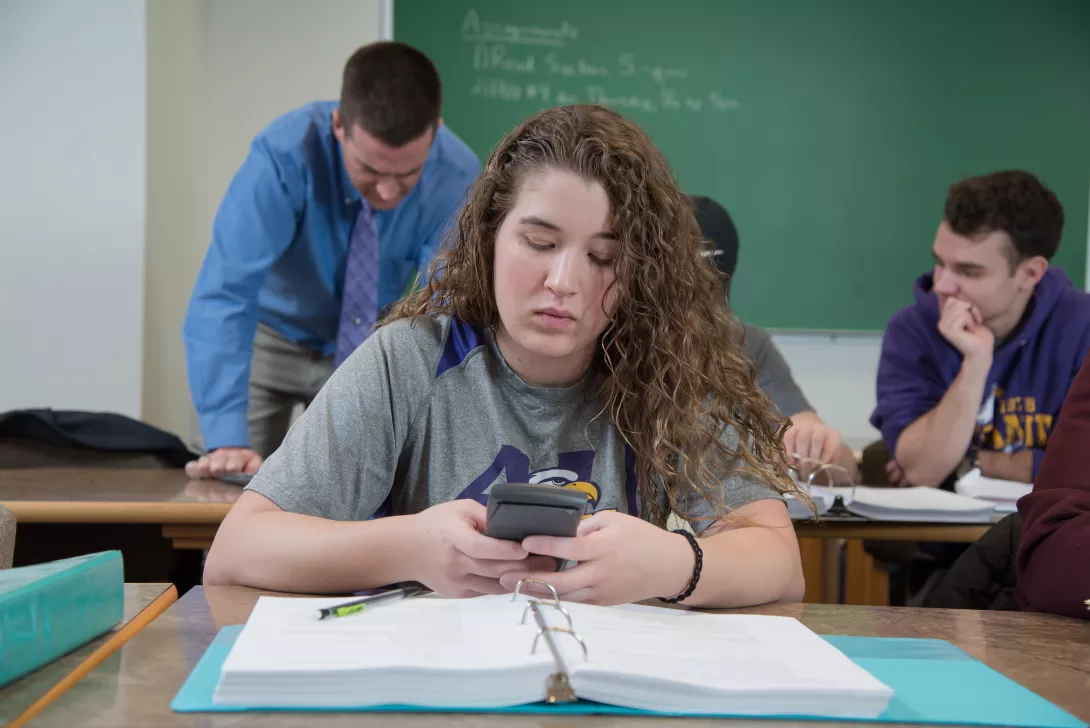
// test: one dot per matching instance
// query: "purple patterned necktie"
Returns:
(359, 303)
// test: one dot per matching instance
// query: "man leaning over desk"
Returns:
(974, 373)
(336, 209)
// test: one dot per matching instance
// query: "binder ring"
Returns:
(533, 604)
(822, 467)
(564, 630)
(557, 687)
(550, 587)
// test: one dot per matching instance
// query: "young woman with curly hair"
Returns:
(569, 335)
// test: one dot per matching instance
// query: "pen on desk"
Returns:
(343, 610)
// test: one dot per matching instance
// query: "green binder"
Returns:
(49, 609)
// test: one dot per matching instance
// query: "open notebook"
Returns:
(477, 653)
(918, 504)
(1003, 494)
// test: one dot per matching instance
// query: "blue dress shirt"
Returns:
(279, 245)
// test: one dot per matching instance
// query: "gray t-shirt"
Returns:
(427, 411)
(773, 373)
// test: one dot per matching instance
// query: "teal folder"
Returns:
(933, 681)
(49, 609)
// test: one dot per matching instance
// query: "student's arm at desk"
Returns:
(260, 545)
(749, 558)
(931, 448)
(255, 223)
(928, 425)
(1007, 466)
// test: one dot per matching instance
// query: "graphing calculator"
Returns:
(518, 510)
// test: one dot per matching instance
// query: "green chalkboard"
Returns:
(829, 129)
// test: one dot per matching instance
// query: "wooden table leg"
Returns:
(865, 582)
(830, 558)
(821, 569)
(810, 549)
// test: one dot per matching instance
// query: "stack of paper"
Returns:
(916, 504)
(1002, 494)
(822, 496)
(463, 653)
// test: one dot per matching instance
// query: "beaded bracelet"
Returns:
(696, 569)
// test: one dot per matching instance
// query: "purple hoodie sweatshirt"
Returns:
(1030, 375)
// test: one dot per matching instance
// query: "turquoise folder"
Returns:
(49, 609)
(933, 682)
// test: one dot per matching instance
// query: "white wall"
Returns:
(72, 130)
(837, 374)
(266, 57)
(221, 70)
(177, 228)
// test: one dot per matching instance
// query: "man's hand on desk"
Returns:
(211, 491)
(1014, 466)
(224, 460)
(809, 438)
(895, 474)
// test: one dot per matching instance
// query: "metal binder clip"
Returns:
(557, 686)
(822, 467)
(554, 605)
(547, 585)
(558, 689)
(565, 630)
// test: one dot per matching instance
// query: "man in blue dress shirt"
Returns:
(334, 212)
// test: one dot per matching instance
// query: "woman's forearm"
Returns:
(748, 566)
(272, 549)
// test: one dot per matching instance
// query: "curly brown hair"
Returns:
(669, 369)
(1013, 201)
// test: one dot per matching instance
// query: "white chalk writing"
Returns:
(494, 57)
(497, 88)
(474, 30)
(580, 68)
(629, 81)
(598, 95)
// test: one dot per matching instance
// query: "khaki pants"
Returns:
(283, 375)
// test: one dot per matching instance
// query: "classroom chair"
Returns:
(915, 569)
(984, 576)
(7, 537)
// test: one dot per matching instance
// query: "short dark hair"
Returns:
(1012, 201)
(717, 228)
(392, 91)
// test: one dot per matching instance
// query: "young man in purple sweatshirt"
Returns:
(975, 371)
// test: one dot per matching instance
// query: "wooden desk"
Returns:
(865, 583)
(189, 511)
(143, 602)
(1049, 655)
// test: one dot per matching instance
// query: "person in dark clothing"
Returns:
(984, 576)
(1053, 563)
(973, 373)
(809, 436)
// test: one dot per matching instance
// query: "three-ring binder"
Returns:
(557, 687)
